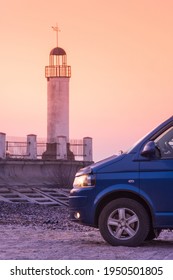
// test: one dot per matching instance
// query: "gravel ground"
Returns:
(37, 232)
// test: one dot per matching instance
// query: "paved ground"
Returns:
(35, 243)
(41, 232)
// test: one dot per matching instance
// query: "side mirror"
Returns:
(149, 150)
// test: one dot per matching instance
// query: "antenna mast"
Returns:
(56, 29)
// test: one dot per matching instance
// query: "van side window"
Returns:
(165, 143)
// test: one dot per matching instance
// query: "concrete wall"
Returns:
(39, 173)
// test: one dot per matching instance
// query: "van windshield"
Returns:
(137, 142)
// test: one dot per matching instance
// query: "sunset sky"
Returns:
(121, 56)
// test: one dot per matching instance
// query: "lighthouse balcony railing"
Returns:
(52, 71)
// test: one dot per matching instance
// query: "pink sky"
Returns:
(121, 55)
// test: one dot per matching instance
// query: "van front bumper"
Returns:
(81, 208)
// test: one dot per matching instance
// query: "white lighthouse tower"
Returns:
(58, 75)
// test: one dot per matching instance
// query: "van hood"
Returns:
(96, 167)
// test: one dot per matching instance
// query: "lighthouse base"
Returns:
(55, 151)
(51, 152)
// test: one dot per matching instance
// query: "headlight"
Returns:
(84, 181)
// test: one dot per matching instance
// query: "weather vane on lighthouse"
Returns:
(56, 29)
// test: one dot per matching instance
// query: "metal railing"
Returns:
(18, 149)
(77, 148)
(58, 71)
(41, 148)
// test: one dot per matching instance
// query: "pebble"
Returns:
(46, 216)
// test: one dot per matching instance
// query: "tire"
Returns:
(124, 222)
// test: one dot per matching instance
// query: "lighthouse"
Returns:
(58, 75)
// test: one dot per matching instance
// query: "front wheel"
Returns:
(124, 222)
